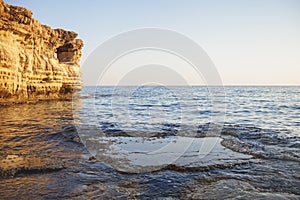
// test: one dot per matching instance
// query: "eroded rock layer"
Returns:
(37, 62)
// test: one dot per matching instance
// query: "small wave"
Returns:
(242, 147)
(261, 143)
(68, 134)
(296, 107)
(88, 96)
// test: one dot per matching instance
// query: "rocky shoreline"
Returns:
(36, 61)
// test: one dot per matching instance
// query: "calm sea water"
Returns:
(154, 109)
(258, 122)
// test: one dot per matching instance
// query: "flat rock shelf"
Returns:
(138, 154)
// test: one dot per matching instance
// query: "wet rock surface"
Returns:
(12, 165)
(231, 189)
(137, 155)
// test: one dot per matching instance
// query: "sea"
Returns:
(154, 142)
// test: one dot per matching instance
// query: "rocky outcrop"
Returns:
(37, 62)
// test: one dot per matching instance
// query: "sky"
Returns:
(254, 42)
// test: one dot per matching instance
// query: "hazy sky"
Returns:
(251, 42)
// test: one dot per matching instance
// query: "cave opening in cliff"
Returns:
(65, 53)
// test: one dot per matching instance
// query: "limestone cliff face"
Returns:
(36, 62)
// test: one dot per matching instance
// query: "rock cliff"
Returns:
(36, 61)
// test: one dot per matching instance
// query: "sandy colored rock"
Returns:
(11, 165)
(36, 62)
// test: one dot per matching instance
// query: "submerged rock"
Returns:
(231, 189)
(138, 155)
(36, 61)
(11, 165)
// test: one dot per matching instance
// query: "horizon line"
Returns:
(259, 85)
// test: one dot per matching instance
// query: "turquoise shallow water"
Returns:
(257, 122)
